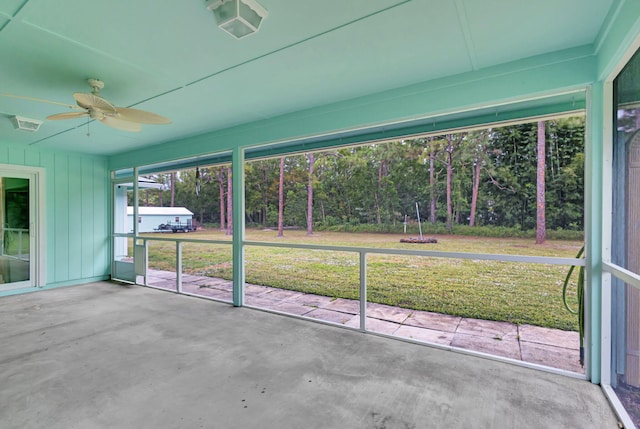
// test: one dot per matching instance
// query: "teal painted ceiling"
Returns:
(169, 57)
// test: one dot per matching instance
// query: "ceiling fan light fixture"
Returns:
(25, 124)
(239, 18)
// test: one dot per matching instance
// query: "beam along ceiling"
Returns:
(169, 57)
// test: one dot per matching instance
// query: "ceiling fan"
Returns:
(95, 107)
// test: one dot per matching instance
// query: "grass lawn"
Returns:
(490, 290)
(15, 242)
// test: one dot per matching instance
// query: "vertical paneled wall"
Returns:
(77, 218)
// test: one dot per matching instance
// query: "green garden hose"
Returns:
(580, 293)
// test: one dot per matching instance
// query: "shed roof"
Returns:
(161, 211)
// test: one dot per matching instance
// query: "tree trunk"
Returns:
(173, 189)
(265, 196)
(449, 163)
(229, 203)
(310, 197)
(281, 200)
(377, 203)
(449, 207)
(222, 202)
(432, 185)
(382, 172)
(541, 226)
(474, 193)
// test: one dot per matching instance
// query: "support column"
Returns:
(136, 190)
(237, 174)
(593, 230)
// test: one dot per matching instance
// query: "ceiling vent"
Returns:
(25, 124)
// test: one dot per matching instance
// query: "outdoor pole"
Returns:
(419, 225)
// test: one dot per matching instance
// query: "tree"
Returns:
(453, 142)
(564, 185)
(281, 200)
(173, 188)
(310, 197)
(432, 182)
(479, 141)
(541, 226)
(512, 181)
(490, 178)
(222, 202)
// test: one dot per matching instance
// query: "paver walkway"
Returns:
(550, 347)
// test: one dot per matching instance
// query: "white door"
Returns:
(19, 244)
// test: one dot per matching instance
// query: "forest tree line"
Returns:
(487, 177)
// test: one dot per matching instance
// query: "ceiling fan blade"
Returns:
(68, 115)
(141, 116)
(92, 101)
(40, 100)
(119, 124)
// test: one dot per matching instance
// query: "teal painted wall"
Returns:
(77, 218)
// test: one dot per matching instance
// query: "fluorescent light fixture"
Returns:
(239, 18)
(25, 124)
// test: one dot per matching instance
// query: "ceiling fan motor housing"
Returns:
(96, 84)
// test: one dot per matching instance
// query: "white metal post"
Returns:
(363, 291)
(146, 262)
(593, 231)
(179, 266)
(607, 209)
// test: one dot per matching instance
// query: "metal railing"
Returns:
(362, 253)
(360, 263)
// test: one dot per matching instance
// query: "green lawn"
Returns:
(506, 291)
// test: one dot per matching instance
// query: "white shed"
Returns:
(150, 218)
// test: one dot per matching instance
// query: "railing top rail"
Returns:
(629, 277)
(183, 240)
(552, 260)
(16, 229)
(432, 253)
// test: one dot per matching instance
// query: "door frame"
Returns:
(37, 216)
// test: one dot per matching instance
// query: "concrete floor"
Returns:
(109, 356)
